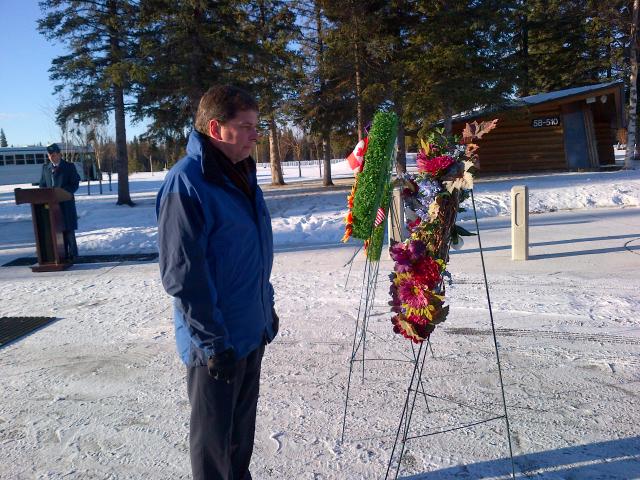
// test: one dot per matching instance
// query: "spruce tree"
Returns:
(459, 59)
(3, 139)
(95, 73)
(186, 47)
(271, 68)
(312, 105)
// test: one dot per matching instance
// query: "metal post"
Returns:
(397, 231)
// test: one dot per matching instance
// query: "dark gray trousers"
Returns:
(70, 245)
(223, 420)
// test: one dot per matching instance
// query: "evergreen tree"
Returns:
(562, 44)
(187, 47)
(390, 55)
(270, 66)
(3, 139)
(459, 58)
(97, 69)
(326, 102)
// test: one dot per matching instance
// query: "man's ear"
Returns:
(214, 129)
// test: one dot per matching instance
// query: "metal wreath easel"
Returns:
(416, 385)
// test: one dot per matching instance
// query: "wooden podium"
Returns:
(47, 225)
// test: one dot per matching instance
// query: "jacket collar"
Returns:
(200, 146)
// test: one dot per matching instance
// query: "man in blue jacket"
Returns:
(62, 174)
(216, 254)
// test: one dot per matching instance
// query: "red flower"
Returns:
(433, 166)
(416, 332)
(427, 271)
(411, 226)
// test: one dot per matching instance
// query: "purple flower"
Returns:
(428, 190)
(423, 214)
(417, 248)
(401, 256)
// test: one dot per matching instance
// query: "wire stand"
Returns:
(416, 386)
(361, 330)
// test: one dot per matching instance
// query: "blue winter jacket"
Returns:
(216, 254)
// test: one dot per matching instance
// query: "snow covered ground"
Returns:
(101, 394)
(301, 216)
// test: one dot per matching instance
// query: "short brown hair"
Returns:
(222, 102)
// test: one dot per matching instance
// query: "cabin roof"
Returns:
(538, 99)
(564, 94)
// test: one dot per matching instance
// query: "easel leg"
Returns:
(405, 416)
(495, 340)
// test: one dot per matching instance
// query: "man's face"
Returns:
(236, 137)
(54, 157)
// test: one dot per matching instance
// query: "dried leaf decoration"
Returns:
(474, 131)
(477, 130)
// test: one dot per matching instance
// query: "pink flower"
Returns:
(433, 166)
(413, 294)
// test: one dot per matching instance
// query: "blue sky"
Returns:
(27, 103)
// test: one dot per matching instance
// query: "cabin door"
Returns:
(576, 149)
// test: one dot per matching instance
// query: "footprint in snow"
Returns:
(276, 438)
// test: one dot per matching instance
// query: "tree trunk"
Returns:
(356, 62)
(633, 95)
(401, 158)
(274, 155)
(118, 102)
(448, 119)
(525, 56)
(326, 152)
(121, 150)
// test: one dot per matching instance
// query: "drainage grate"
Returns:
(12, 328)
(124, 257)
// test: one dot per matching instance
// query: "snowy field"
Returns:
(100, 393)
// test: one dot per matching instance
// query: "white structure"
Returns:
(519, 222)
(24, 164)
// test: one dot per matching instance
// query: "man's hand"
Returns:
(222, 366)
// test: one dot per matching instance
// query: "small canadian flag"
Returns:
(356, 158)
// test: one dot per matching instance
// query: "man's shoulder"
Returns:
(186, 171)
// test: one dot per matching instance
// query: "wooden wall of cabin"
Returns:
(604, 119)
(516, 146)
(606, 138)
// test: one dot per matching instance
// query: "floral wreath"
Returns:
(432, 199)
(370, 195)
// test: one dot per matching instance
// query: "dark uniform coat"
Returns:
(66, 177)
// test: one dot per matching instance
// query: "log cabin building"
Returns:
(572, 129)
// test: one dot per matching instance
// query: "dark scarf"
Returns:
(216, 162)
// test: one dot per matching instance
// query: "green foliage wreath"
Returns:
(375, 175)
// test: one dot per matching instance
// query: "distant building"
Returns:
(24, 164)
(570, 129)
